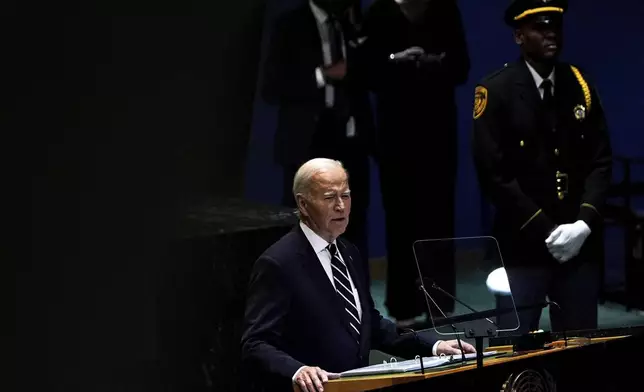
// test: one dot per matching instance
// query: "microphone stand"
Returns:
(417, 340)
(475, 332)
(458, 339)
(547, 303)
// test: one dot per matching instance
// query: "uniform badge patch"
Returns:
(580, 112)
(480, 101)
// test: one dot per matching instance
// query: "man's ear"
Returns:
(301, 204)
(518, 36)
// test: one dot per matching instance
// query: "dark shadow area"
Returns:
(129, 121)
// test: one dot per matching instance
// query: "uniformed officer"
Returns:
(543, 159)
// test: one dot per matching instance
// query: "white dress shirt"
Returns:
(320, 248)
(538, 79)
(321, 18)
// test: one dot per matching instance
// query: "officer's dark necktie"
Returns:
(549, 103)
(343, 289)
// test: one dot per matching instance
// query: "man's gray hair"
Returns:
(303, 176)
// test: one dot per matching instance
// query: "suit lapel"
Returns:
(528, 91)
(529, 94)
(318, 276)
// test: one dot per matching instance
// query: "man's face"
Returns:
(541, 37)
(328, 204)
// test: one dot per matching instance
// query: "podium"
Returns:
(611, 361)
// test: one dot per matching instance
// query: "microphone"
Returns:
(437, 287)
(458, 339)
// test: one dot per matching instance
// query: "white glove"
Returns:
(566, 240)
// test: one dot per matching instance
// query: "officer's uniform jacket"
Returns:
(540, 173)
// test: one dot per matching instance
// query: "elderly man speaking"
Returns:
(309, 312)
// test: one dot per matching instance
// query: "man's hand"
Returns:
(310, 379)
(566, 241)
(409, 54)
(335, 72)
(450, 347)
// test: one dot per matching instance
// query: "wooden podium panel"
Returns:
(606, 363)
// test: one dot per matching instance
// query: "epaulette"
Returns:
(494, 74)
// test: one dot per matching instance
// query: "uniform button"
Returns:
(556, 151)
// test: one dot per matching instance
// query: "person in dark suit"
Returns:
(543, 158)
(324, 109)
(416, 57)
(309, 312)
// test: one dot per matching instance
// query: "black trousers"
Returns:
(418, 199)
(355, 160)
(574, 285)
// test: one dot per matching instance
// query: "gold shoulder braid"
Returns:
(580, 111)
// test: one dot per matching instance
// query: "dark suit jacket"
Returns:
(295, 51)
(294, 316)
(416, 108)
(518, 154)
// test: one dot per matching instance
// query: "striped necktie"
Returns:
(343, 288)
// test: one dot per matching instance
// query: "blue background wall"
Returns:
(604, 38)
